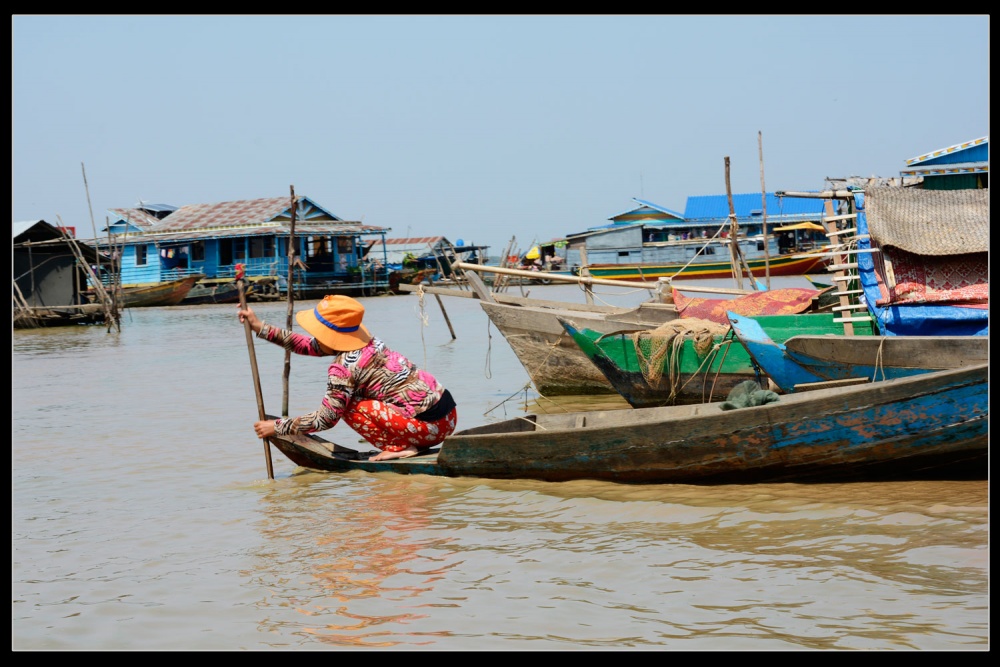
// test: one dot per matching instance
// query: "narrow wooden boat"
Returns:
(685, 360)
(803, 362)
(214, 292)
(169, 293)
(932, 426)
(554, 363)
(813, 261)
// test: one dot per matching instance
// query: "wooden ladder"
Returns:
(844, 266)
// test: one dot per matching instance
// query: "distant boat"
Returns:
(214, 292)
(709, 266)
(170, 293)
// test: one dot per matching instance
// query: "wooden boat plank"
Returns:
(846, 382)
(923, 352)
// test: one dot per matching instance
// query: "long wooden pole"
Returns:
(763, 208)
(291, 303)
(240, 269)
(111, 314)
(738, 262)
(587, 281)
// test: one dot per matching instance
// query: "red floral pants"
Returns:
(380, 424)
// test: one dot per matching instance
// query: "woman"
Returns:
(391, 403)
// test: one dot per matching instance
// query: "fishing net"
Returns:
(658, 351)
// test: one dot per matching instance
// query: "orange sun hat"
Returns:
(336, 322)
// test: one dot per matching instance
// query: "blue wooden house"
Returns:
(649, 224)
(161, 243)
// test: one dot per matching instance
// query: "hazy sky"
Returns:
(482, 128)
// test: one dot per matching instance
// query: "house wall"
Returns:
(622, 246)
(47, 277)
(132, 273)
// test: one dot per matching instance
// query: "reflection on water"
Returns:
(142, 519)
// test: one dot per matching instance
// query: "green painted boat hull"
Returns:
(683, 371)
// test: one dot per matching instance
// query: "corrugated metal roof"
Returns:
(748, 207)
(395, 250)
(244, 213)
(249, 217)
(414, 241)
(279, 229)
(135, 217)
(158, 208)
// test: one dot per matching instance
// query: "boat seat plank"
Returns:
(829, 384)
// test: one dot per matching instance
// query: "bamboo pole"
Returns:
(455, 274)
(291, 303)
(102, 295)
(111, 313)
(28, 312)
(763, 205)
(588, 281)
(500, 282)
(738, 262)
(86, 188)
(445, 313)
(240, 269)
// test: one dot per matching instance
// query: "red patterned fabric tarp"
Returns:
(787, 301)
(957, 280)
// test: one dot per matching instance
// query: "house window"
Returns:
(198, 251)
(261, 246)
(316, 247)
(225, 252)
(140, 255)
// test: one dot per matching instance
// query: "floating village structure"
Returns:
(160, 243)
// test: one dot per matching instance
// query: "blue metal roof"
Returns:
(748, 208)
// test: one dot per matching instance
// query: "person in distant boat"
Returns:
(378, 392)
(785, 243)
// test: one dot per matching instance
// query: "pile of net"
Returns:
(658, 351)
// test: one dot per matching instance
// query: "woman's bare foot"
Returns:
(403, 454)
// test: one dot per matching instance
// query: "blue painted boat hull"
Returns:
(807, 360)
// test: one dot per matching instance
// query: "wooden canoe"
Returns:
(652, 368)
(169, 293)
(806, 362)
(215, 292)
(932, 426)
